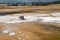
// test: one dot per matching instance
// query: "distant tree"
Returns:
(39, 4)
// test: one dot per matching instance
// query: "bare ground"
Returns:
(32, 31)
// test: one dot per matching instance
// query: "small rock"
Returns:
(19, 38)
(11, 34)
(22, 33)
(22, 17)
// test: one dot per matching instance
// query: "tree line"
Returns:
(44, 3)
(33, 3)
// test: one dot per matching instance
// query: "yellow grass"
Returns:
(48, 8)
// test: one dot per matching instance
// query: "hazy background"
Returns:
(11, 1)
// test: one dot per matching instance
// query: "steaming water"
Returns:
(31, 18)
